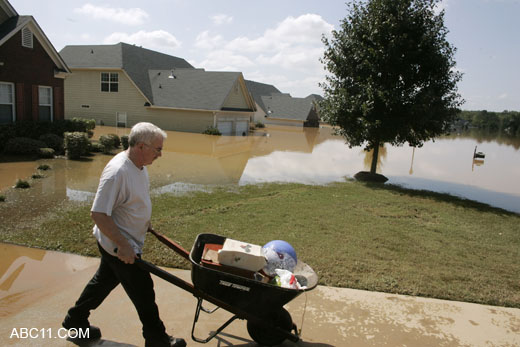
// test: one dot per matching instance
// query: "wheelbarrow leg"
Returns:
(196, 318)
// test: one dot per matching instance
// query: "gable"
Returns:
(239, 98)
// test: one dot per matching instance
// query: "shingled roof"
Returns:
(135, 61)
(258, 90)
(191, 88)
(286, 107)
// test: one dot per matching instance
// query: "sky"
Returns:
(279, 42)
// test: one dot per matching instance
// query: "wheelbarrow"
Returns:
(260, 304)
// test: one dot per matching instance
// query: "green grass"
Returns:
(356, 235)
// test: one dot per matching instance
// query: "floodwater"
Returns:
(281, 154)
(22, 281)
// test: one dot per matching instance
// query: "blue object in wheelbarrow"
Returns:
(261, 304)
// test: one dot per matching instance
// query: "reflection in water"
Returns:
(274, 154)
(369, 155)
(27, 273)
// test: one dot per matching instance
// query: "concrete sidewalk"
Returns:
(37, 290)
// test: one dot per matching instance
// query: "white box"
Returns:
(241, 255)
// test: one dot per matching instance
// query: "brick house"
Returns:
(32, 72)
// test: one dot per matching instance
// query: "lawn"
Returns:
(356, 235)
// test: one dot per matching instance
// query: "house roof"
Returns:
(192, 88)
(258, 90)
(286, 107)
(16, 23)
(135, 61)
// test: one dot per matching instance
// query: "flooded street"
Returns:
(281, 154)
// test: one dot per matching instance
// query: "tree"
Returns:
(392, 76)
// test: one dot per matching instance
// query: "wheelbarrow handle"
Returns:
(171, 244)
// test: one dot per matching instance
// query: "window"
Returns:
(109, 82)
(45, 103)
(6, 103)
(27, 38)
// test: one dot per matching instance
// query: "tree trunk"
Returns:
(375, 156)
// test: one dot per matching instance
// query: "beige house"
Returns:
(122, 84)
(275, 107)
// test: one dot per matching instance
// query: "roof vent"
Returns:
(172, 75)
(27, 38)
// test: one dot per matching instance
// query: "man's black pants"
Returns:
(137, 284)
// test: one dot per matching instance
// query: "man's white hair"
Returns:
(146, 133)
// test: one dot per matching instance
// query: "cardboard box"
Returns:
(241, 255)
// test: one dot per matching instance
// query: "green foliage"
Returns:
(22, 184)
(53, 141)
(116, 141)
(23, 146)
(2, 198)
(259, 125)
(34, 130)
(212, 131)
(37, 176)
(124, 142)
(107, 142)
(47, 153)
(96, 147)
(506, 122)
(44, 167)
(392, 76)
(76, 144)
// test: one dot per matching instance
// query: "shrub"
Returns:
(212, 131)
(76, 144)
(115, 140)
(124, 142)
(259, 124)
(22, 184)
(47, 153)
(36, 176)
(96, 147)
(44, 167)
(107, 142)
(53, 141)
(2, 198)
(23, 145)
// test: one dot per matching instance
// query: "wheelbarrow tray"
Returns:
(244, 293)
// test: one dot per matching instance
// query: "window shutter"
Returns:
(58, 103)
(35, 103)
(20, 103)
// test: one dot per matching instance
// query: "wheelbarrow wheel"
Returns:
(268, 337)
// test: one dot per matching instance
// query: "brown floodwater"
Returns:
(26, 274)
(279, 154)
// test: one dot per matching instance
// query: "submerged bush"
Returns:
(124, 142)
(23, 145)
(96, 147)
(37, 176)
(212, 131)
(46, 153)
(76, 145)
(2, 198)
(116, 141)
(22, 184)
(107, 142)
(53, 141)
(259, 125)
(44, 167)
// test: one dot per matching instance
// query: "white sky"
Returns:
(279, 42)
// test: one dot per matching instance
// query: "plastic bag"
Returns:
(287, 279)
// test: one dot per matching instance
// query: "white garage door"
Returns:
(242, 128)
(225, 128)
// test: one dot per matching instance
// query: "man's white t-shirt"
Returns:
(123, 193)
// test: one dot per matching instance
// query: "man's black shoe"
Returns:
(83, 331)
